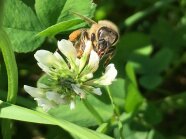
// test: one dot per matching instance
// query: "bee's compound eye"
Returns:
(108, 35)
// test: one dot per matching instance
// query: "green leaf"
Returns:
(48, 11)
(105, 111)
(145, 50)
(149, 109)
(59, 27)
(85, 8)
(130, 73)
(45, 79)
(168, 35)
(19, 113)
(150, 81)
(102, 128)
(11, 66)
(134, 130)
(133, 99)
(21, 101)
(158, 63)
(118, 92)
(162, 59)
(132, 47)
(22, 25)
(62, 17)
(133, 96)
(12, 73)
(15, 112)
(132, 42)
(153, 134)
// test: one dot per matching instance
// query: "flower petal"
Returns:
(86, 77)
(45, 57)
(44, 103)
(34, 92)
(93, 64)
(84, 58)
(52, 96)
(92, 89)
(72, 104)
(107, 78)
(44, 68)
(97, 91)
(67, 48)
(78, 90)
(63, 64)
(42, 85)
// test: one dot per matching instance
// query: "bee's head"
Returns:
(108, 32)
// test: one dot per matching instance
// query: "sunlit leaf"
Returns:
(59, 27)
(130, 74)
(85, 8)
(19, 113)
(87, 119)
(61, 18)
(22, 25)
(133, 98)
(48, 11)
(117, 89)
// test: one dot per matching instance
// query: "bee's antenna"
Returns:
(88, 20)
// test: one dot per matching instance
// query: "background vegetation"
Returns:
(147, 101)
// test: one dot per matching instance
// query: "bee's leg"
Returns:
(84, 36)
(80, 44)
(110, 55)
(94, 42)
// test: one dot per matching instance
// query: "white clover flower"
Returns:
(68, 76)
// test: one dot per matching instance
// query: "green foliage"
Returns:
(87, 120)
(12, 73)
(62, 26)
(133, 98)
(146, 101)
(118, 92)
(23, 25)
(23, 114)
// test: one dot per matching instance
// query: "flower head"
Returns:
(68, 76)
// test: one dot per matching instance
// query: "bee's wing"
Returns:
(88, 20)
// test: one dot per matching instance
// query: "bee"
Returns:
(103, 35)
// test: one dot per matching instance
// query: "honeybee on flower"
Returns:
(69, 76)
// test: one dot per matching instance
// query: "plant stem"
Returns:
(11, 67)
(116, 113)
(93, 111)
(141, 14)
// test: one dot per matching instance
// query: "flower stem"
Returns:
(141, 14)
(11, 67)
(93, 111)
(116, 113)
